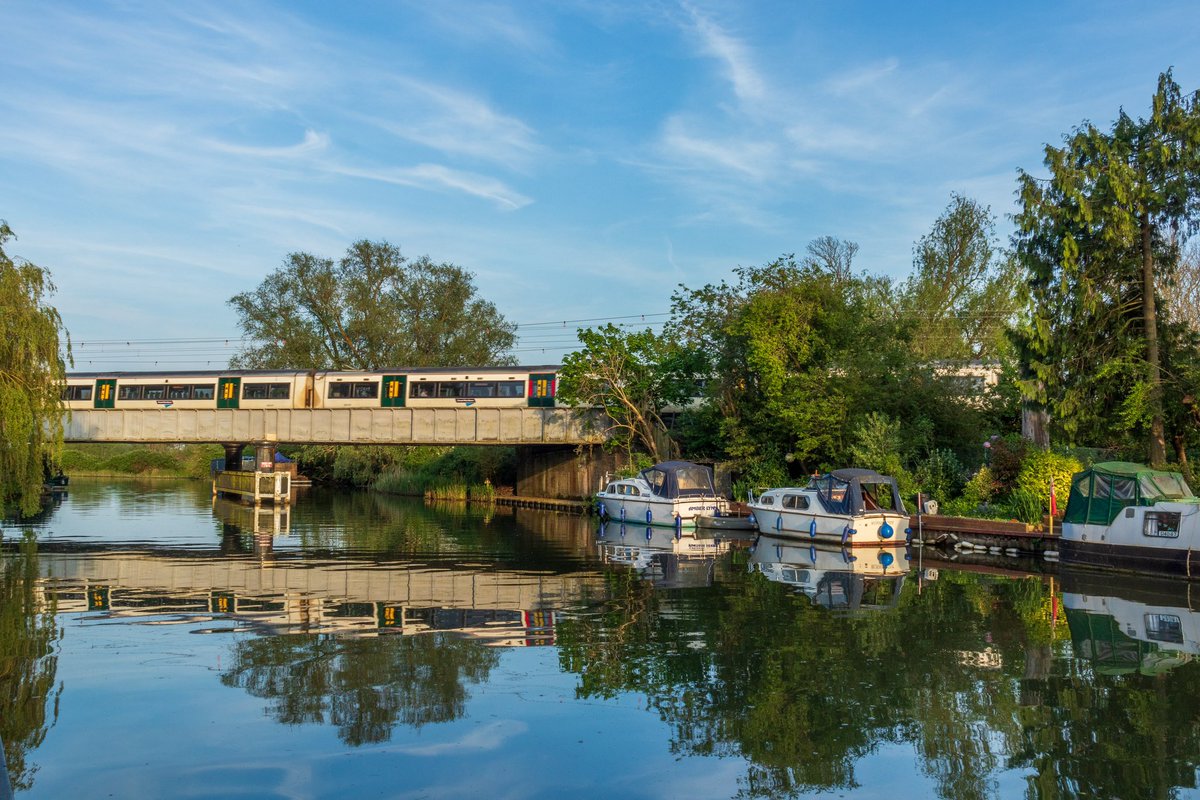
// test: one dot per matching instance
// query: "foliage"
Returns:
(1096, 239)
(981, 487)
(962, 290)
(477, 470)
(940, 475)
(1042, 466)
(191, 461)
(1006, 456)
(372, 309)
(32, 370)
(631, 376)
(1024, 505)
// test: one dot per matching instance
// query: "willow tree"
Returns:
(32, 371)
(1097, 237)
(371, 309)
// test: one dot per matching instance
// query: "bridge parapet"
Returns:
(412, 426)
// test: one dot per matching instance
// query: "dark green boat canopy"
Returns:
(1100, 493)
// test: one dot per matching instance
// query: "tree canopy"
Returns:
(1096, 239)
(371, 309)
(32, 371)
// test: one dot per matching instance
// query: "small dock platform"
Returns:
(544, 503)
(257, 487)
(991, 535)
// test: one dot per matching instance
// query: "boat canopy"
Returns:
(1100, 493)
(672, 479)
(858, 491)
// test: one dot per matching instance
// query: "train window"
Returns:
(510, 389)
(268, 391)
(358, 389)
(482, 389)
(179, 392)
(451, 389)
(125, 392)
(155, 392)
(205, 391)
(421, 389)
(77, 393)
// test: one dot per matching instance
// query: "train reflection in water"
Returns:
(670, 559)
(835, 577)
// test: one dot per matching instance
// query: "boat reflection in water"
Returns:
(1143, 626)
(668, 557)
(834, 577)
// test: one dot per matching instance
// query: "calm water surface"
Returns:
(153, 644)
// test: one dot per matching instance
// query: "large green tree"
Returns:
(371, 309)
(632, 377)
(1096, 239)
(962, 292)
(32, 369)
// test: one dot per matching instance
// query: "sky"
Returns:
(582, 159)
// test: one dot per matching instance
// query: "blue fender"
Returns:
(886, 531)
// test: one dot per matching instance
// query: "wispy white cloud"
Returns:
(313, 142)
(734, 55)
(426, 175)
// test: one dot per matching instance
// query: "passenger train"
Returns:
(482, 387)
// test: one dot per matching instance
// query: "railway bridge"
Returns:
(559, 452)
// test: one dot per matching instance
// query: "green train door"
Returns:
(541, 390)
(106, 393)
(394, 387)
(228, 391)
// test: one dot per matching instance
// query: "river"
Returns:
(156, 644)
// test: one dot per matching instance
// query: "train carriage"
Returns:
(465, 387)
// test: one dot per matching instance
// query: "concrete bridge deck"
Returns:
(411, 426)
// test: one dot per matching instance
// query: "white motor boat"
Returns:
(847, 506)
(1131, 517)
(672, 493)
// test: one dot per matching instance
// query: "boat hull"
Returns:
(1131, 558)
(658, 511)
(867, 530)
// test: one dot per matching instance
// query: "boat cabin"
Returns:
(1099, 494)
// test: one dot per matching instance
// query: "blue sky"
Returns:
(581, 158)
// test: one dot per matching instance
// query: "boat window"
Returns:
(612, 489)
(655, 478)
(1164, 628)
(1169, 486)
(1162, 524)
(796, 501)
(635, 491)
(1124, 488)
(769, 500)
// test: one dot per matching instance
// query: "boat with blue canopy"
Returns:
(847, 506)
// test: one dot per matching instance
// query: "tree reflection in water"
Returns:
(364, 686)
(28, 663)
(971, 675)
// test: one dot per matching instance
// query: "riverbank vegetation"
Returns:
(149, 461)
(1076, 336)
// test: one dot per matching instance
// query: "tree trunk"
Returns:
(1158, 442)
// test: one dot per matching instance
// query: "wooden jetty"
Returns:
(991, 535)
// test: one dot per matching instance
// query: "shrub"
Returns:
(1038, 469)
(1007, 455)
(941, 475)
(1025, 505)
(981, 488)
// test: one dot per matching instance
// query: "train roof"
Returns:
(235, 373)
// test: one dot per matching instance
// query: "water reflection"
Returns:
(667, 558)
(29, 689)
(848, 579)
(388, 621)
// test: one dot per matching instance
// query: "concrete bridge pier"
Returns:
(562, 473)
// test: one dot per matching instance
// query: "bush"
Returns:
(981, 488)
(941, 476)
(1025, 505)
(1007, 456)
(1039, 467)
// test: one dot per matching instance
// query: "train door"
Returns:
(541, 390)
(228, 391)
(394, 391)
(106, 393)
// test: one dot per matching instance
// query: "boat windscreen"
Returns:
(1167, 486)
